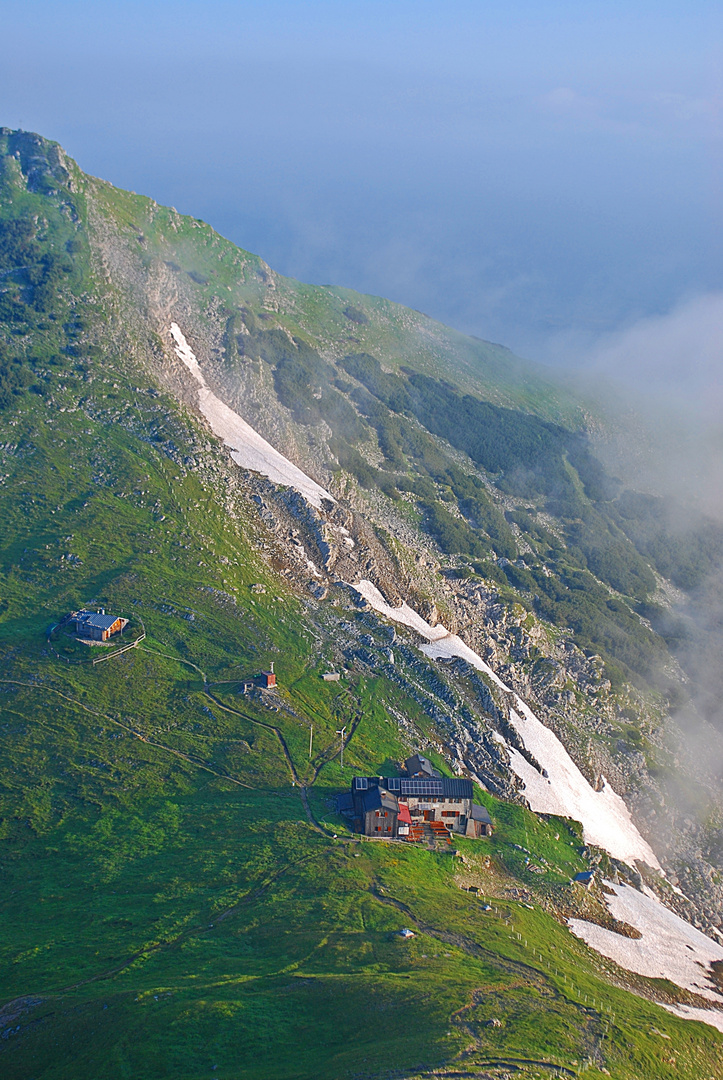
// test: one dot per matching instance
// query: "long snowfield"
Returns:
(248, 448)
(669, 948)
(603, 814)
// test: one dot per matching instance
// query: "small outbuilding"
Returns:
(420, 767)
(404, 820)
(267, 679)
(586, 878)
(479, 822)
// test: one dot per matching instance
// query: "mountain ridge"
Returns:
(218, 563)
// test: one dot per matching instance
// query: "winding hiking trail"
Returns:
(27, 1001)
(472, 1064)
(284, 749)
(189, 758)
(513, 1064)
(258, 723)
(524, 973)
(296, 780)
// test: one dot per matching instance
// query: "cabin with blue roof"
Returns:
(97, 626)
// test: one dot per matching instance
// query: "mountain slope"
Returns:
(174, 837)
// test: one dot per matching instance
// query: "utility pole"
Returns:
(311, 739)
(343, 730)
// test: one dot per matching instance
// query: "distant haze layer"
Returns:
(516, 171)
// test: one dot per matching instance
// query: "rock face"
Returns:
(567, 689)
(429, 612)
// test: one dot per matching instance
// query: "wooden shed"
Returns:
(267, 679)
(97, 626)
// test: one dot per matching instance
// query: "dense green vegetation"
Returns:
(685, 550)
(608, 537)
(527, 455)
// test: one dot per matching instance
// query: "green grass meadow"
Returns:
(178, 897)
(168, 908)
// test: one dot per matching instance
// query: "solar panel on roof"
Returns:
(449, 787)
(100, 622)
(457, 787)
(421, 787)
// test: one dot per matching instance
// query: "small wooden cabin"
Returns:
(97, 626)
(267, 679)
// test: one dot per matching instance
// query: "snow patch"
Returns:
(248, 448)
(403, 614)
(670, 948)
(714, 1017)
(603, 814)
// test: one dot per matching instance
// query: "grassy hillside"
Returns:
(179, 898)
(484, 453)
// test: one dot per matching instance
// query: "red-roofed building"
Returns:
(404, 820)
(267, 679)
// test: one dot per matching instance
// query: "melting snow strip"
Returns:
(604, 816)
(670, 948)
(565, 791)
(248, 448)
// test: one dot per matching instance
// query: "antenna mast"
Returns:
(342, 732)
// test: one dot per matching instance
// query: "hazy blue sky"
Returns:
(535, 173)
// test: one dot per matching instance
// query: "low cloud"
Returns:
(678, 353)
(661, 381)
(661, 384)
(565, 100)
